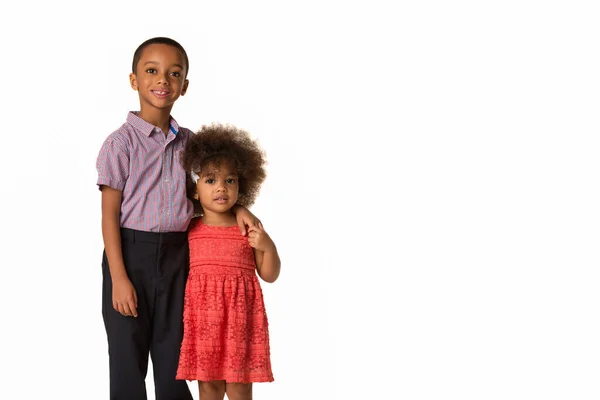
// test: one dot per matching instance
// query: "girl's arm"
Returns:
(268, 264)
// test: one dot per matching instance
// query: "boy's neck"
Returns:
(157, 117)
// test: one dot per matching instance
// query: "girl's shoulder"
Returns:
(196, 221)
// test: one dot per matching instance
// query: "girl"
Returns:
(226, 339)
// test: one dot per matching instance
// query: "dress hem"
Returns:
(220, 378)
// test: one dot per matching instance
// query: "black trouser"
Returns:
(157, 264)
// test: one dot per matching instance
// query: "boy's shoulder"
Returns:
(132, 126)
(132, 130)
(118, 141)
(185, 133)
(122, 133)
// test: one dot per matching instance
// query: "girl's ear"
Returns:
(133, 81)
(196, 196)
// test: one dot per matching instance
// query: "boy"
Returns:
(145, 216)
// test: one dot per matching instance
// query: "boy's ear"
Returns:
(133, 81)
(185, 86)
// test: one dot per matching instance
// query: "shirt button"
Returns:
(168, 212)
(167, 180)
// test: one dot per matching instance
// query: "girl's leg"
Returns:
(239, 391)
(213, 390)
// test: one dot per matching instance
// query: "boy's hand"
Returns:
(259, 239)
(124, 297)
(245, 218)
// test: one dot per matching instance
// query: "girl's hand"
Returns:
(245, 218)
(124, 297)
(259, 239)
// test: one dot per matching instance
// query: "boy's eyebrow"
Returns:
(156, 62)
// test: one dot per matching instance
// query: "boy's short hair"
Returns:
(158, 40)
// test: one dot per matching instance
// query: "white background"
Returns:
(432, 188)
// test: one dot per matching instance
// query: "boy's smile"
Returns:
(159, 78)
(161, 94)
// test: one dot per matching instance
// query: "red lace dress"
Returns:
(225, 335)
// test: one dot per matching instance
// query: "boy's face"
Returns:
(218, 188)
(160, 76)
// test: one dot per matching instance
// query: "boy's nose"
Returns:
(162, 78)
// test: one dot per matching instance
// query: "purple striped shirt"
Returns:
(143, 163)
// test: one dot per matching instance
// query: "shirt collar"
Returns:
(146, 127)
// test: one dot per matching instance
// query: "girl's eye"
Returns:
(150, 70)
(230, 180)
(210, 181)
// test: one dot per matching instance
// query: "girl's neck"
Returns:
(157, 117)
(219, 219)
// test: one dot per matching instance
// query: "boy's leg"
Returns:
(167, 324)
(129, 337)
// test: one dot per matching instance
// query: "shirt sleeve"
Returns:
(113, 164)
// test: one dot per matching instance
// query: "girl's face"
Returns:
(218, 188)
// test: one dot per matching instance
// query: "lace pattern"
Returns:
(226, 334)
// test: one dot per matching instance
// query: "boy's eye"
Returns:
(150, 70)
(176, 74)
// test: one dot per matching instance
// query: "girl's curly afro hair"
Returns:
(218, 143)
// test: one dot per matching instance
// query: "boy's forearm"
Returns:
(111, 232)
(235, 208)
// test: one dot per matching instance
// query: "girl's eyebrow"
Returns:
(213, 174)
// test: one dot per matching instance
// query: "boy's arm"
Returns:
(268, 264)
(245, 218)
(124, 297)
